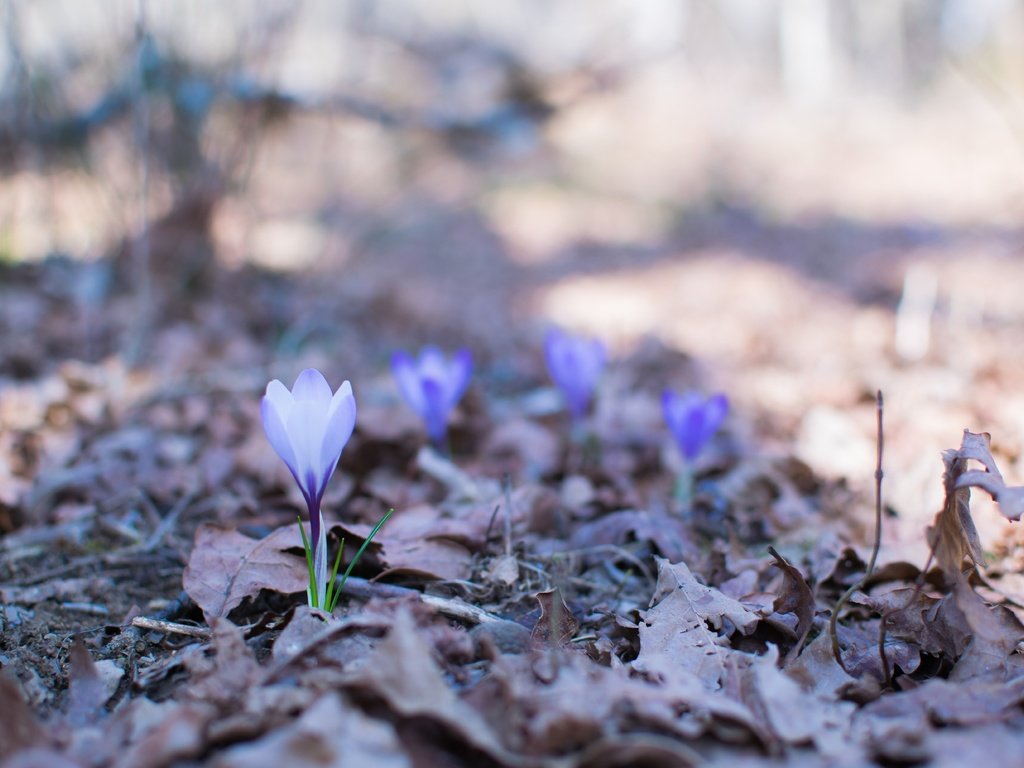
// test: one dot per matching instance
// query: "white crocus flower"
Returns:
(309, 427)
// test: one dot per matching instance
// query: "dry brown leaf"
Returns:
(953, 536)
(796, 597)
(416, 540)
(86, 693)
(402, 672)
(638, 749)
(1009, 498)
(19, 728)
(587, 701)
(994, 633)
(328, 733)
(795, 716)
(226, 567)
(556, 626)
(818, 672)
(674, 632)
(179, 736)
(945, 702)
(40, 757)
(341, 641)
(523, 447)
(231, 671)
(927, 623)
(666, 532)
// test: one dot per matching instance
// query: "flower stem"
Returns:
(684, 486)
(311, 593)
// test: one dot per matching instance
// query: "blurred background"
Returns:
(812, 199)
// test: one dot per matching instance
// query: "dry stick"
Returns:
(508, 515)
(171, 627)
(140, 244)
(362, 589)
(879, 445)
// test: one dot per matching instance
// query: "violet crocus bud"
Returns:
(432, 385)
(692, 420)
(575, 364)
(308, 427)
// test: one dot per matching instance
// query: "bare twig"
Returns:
(507, 517)
(168, 522)
(879, 445)
(362, 589)
(140, 244)
(172, 627)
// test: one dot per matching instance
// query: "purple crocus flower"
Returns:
(692, 420)
(308, 427)
(575, 364)
(432, 385)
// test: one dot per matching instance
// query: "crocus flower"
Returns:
(308, 427)
(432, 385)
(575, 364)
(692, 420)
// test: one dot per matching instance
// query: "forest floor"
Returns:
(535, 600)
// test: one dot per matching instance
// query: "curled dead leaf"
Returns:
(796, 597)
(954, 537)
(556, 626)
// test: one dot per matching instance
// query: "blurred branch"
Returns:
(140, 245)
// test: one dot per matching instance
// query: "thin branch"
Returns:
(361, 589)
(140, 244)
(879, 445)
(172, 627)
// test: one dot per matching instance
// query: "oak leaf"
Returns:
(226, 567)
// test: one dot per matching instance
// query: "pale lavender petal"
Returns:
(312, 386)
(459, 375)
(575, 365)
(277, 434)
(670, 410)
(435, 416)
(432, 363)
(715, 411)
(406, 377)
(341, 420)
(280, 396)
(692, 432)
(553, 344)
(306, 427)
(692, 420)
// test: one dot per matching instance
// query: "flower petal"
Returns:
(459, 373)
(280, 397)
(670, 410)
(435, 416)
(594, 358)
(692, 432)
(305, 426)
(432, 363)
(277, 433)
(553, 355)
(575, 364)
(715, 411)
(341, 420)
(406, 377)
(312, 386)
